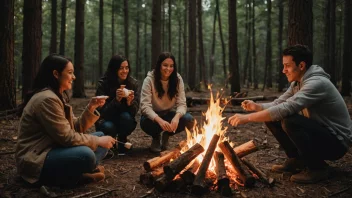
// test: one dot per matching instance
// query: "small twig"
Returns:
(82, 195)
(7, 152)
(104, 193)
(339, 192)
(124, 172)
(111, 173)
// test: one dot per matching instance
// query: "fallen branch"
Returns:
(104, 193)
(258, 172)
(7, 152)
(83, 195)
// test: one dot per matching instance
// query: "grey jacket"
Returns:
(316, 98)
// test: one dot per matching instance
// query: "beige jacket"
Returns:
(47, 123)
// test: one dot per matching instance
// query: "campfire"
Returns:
(206, 160)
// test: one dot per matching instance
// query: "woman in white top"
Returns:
(163, 103)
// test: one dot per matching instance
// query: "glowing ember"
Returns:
(211, 126)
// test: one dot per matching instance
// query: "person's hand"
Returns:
(174, 123)
(106, 141)
(119, 94)
(249, 105)
(96, 102)
(238, 119)
(163, 124)
(130, 98)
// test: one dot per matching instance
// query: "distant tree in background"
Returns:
(192, 41)
(201, 59)
(233, 51)
(7, 67)
(53, 40)
(63, 27)
(78, 85)
(126, 19)
(347, 51)
(156, 31)
(32, 42)
(281, 76)
(101, 33)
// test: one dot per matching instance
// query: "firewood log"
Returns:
(223, 180)
(189, 174)
(245, 149)
(172, 169)
(149, 178)
(258, 172)
(247, 179)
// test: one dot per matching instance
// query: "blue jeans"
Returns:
(306, 139)
(153, 128)
(122, 125)
(64, 166)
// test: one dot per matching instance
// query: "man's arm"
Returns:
(260, 116)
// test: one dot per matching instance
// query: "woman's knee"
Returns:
(188, 120)
(87, 156)
(108, 128)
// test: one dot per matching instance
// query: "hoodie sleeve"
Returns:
(146, 99)
(289, 93)
(181, 106)
(311, 92)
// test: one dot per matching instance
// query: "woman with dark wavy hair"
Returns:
(118, 114)
(162, 91)
(52, 146)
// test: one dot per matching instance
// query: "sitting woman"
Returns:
(52, 148)
(118, 114)
(162, 90)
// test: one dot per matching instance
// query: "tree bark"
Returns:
(222, 42)
(347, 51)
(138, 62)
(125, 10)
(185, 47)
(201, 60)
(113, 50)
(254, 53)
(101, 34)
(63, 27)
(192, 40)
(7, 67)
(78, 85)
(156, 31)
(300, 23)
(169, 27)
(32, 42)
(53, 40)
(212, 58)
(233, 51)
(268, 66)
(223, 180)
(282, 77)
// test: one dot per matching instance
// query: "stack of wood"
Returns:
(173, 171)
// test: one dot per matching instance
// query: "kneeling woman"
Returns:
(52, 148)
(163, 90)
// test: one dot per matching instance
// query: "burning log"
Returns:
(150, 177)
(222, 178)
(247, 179)
(189, 174)
(245, 149)
(199, 186)
(182, 161)
(164, 184)
(156, 161)
(258, 172)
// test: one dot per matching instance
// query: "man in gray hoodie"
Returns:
(310, 120)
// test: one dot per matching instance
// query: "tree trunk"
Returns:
(233, 51)
(169, 26)
(254, 54)
(7, 67)
(156, 31)
(248, 32)
(125, 10)
(212, 59)
(163, 25)
(138, 64)
(32, 42)
(347, 51)
(179, 59)
(201, 47)
(222, 42)
(185, 47)
(63, 27)
(300, 23)
(113, 50)
(268, 67)
(146, 64)
(192, 44)
(332, 42)
(282, 77)
(53, 40)
(78, 85)
(101, 33)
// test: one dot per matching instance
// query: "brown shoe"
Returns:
(310, 176)
(291, 165)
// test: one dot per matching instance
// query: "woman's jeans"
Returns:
(64, 166)
(153, 128)
(306, 139)
(121, 125)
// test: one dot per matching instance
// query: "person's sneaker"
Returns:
(310, 176)
(291, 165)
(155, 146)
(164, 140)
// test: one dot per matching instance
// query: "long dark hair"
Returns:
(173, 80)
(46, 79)
(111, 72)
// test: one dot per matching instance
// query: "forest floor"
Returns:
(122, 172)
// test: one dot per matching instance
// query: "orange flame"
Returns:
(211, 126)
